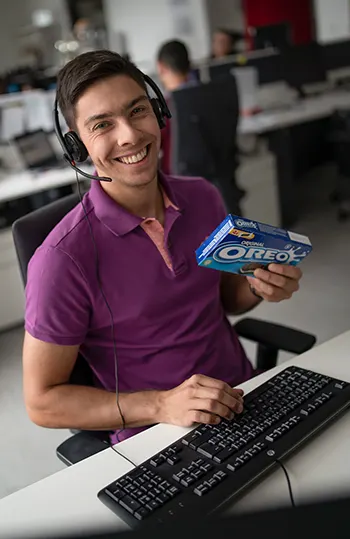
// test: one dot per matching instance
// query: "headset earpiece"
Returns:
(157, 109)
(75, 148)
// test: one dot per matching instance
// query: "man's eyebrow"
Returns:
(97, 117)
(108, 114)
(135, 101)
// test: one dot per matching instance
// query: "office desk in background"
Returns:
(302, 125)
(67, 501)
(13, 186)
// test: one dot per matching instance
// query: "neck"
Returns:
(175, 81)
(144, 201)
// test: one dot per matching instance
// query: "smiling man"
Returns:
(177, 355)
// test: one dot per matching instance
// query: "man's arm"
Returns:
(236, 294)
(52, 402)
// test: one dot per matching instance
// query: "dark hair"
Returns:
(174, 54)
(86, 69)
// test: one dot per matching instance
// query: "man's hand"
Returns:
(277, 284)
(199, 399)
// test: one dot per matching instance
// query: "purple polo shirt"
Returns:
(169, 323)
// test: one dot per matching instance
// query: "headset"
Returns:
(74, 150)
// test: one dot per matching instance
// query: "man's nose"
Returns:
(127, 134)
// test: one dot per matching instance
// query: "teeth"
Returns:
(130, 159)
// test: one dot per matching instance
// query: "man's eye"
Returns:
(138, 110)
(101, 125)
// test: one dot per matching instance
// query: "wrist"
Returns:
(159, 406)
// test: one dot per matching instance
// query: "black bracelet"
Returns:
(254, 292)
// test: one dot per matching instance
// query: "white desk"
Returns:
(15, 185)
(307, 110)
(68, 500)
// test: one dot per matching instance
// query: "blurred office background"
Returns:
(291, 63)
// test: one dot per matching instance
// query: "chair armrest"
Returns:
(275, 336)
(79, 447)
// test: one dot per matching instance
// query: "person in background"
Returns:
(224, 43)
(174, 71)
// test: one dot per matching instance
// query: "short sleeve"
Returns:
(58, 304)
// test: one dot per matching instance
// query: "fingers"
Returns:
(293, 272)
(207, 381)
(214, 397)
(277, 284)
(288, 284)
(198, 416)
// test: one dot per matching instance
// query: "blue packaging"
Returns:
(240, 245)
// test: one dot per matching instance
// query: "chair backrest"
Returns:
(203, 129)
(29, 232)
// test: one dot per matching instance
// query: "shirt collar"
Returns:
(119, 220)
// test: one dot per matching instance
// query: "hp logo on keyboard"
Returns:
(271, 453)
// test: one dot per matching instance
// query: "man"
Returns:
(177, 355)
(174, 71)
(224, 43)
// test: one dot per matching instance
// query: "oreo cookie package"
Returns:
(241, 246)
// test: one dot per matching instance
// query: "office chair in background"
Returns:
(29, 233)
(203, 141)
(340, 139)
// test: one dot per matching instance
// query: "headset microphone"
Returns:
(86, 174)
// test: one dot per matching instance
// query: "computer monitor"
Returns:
(303, 65)
(277, 36)
(36, 150)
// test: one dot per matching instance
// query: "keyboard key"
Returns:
(197, 474)
(212, 482)
(187, 440)
(207, 467)
(225, 454)
(179, 476)
(134, 474)
(163, 498)
(130, 504)
(198, 462)
(141, 513)
(164, 485)
(153, 505)
(201, 489)
(187, 481)
(173, 460)
(209, 450)
(200, 440)
(117, 492)
(220, 475)
(173, 491)
(157, 461)
(145, 499)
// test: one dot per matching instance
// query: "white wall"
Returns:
(226, 14)
(332, 20)
(148, 24)
(16, 14)
(12, 15)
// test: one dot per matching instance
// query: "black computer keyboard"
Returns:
(208, 468)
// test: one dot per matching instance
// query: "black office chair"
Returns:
(30, 231)
(203, 136)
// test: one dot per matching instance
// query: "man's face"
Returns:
(116, 122)
(222, 44)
